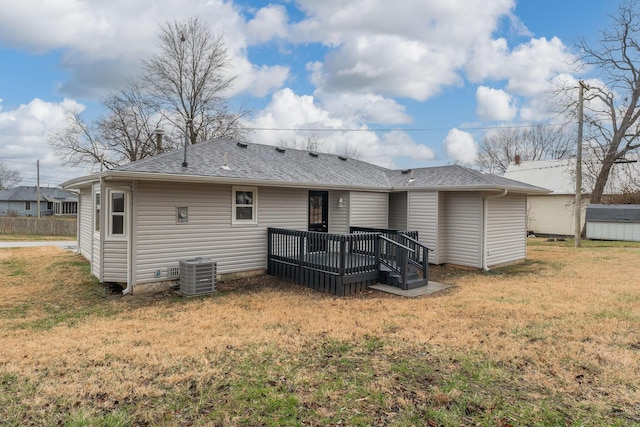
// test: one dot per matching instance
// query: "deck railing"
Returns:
(342, 264)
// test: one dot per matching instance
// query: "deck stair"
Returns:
(387, 276)
(347, 264)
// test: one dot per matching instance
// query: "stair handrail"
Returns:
(424, 265)
(401, 264)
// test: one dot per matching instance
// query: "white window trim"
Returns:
(110, 215)
(97, 213)
(254, 220)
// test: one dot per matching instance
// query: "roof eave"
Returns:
(170, 177)
(510, 189)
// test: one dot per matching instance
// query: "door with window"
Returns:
(318, 218)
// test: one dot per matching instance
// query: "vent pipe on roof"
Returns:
(159, 133)
(186, 142)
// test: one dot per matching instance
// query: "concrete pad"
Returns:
(412, 293)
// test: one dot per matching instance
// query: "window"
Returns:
(116, 214)
(245, 200)
(49, 206)
(97, 212)
(27, 206)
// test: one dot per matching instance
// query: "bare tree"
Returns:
(613, 112)
(536, 142)
(8, 177)
(79, 143)
(187, 80)
(311, 143)
(128, 131)
(125, 134)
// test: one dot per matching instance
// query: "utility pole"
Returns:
(578, 202)
(38, 187)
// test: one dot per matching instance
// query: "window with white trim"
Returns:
(27, 206)
(117, 213)
(97, 211)
(245, 205)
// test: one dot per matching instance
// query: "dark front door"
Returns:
(318, 220)
(319, 211)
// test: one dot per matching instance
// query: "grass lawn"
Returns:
(32, 238)
(552, 341)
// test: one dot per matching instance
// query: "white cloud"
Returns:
(269, 22)
(495, 104)
(23, 140)
(528, 68)
(102, 43)
(367, 108)
(411, 49)
(337, 132)
(460, 146)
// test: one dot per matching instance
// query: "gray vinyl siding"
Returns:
(85, 223)
(506, 229)
(398, 211)
(439, 256)
(368, 209)
(114, 261)
(338, 216)
(464, 229)
(95, 255)
(161, 242)
(423, 217)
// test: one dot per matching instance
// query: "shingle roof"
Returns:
(30, 194)
(262, 162)
(455, 177)
(613, 213)
(556, 175)
(229, 160)
(559, 175)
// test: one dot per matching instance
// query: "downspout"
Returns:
(485, 224)
(130, 248)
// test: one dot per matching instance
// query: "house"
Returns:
(613, 222)
(554, 213)
(218, 199)
(23, 201)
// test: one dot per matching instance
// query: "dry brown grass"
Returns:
(564, 325)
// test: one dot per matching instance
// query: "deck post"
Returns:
(269, 249)
(343, 254)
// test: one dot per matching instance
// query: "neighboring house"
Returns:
(23, 201)
(138, 221)
(613, 222)
(554, 213)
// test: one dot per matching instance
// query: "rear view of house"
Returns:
(137, 222)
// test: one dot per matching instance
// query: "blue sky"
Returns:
(422, 81)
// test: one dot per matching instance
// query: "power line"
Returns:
(404, 129)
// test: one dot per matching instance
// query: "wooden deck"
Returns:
(342, 264)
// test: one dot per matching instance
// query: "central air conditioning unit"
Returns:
(197, 276)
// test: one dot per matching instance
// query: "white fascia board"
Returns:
(161, 177)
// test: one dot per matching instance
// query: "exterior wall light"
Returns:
(340, 202)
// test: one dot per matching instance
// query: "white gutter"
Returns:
(130, 240)
(485, 224)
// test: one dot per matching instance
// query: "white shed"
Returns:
(613, 222)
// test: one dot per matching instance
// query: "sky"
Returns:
(408, 83)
